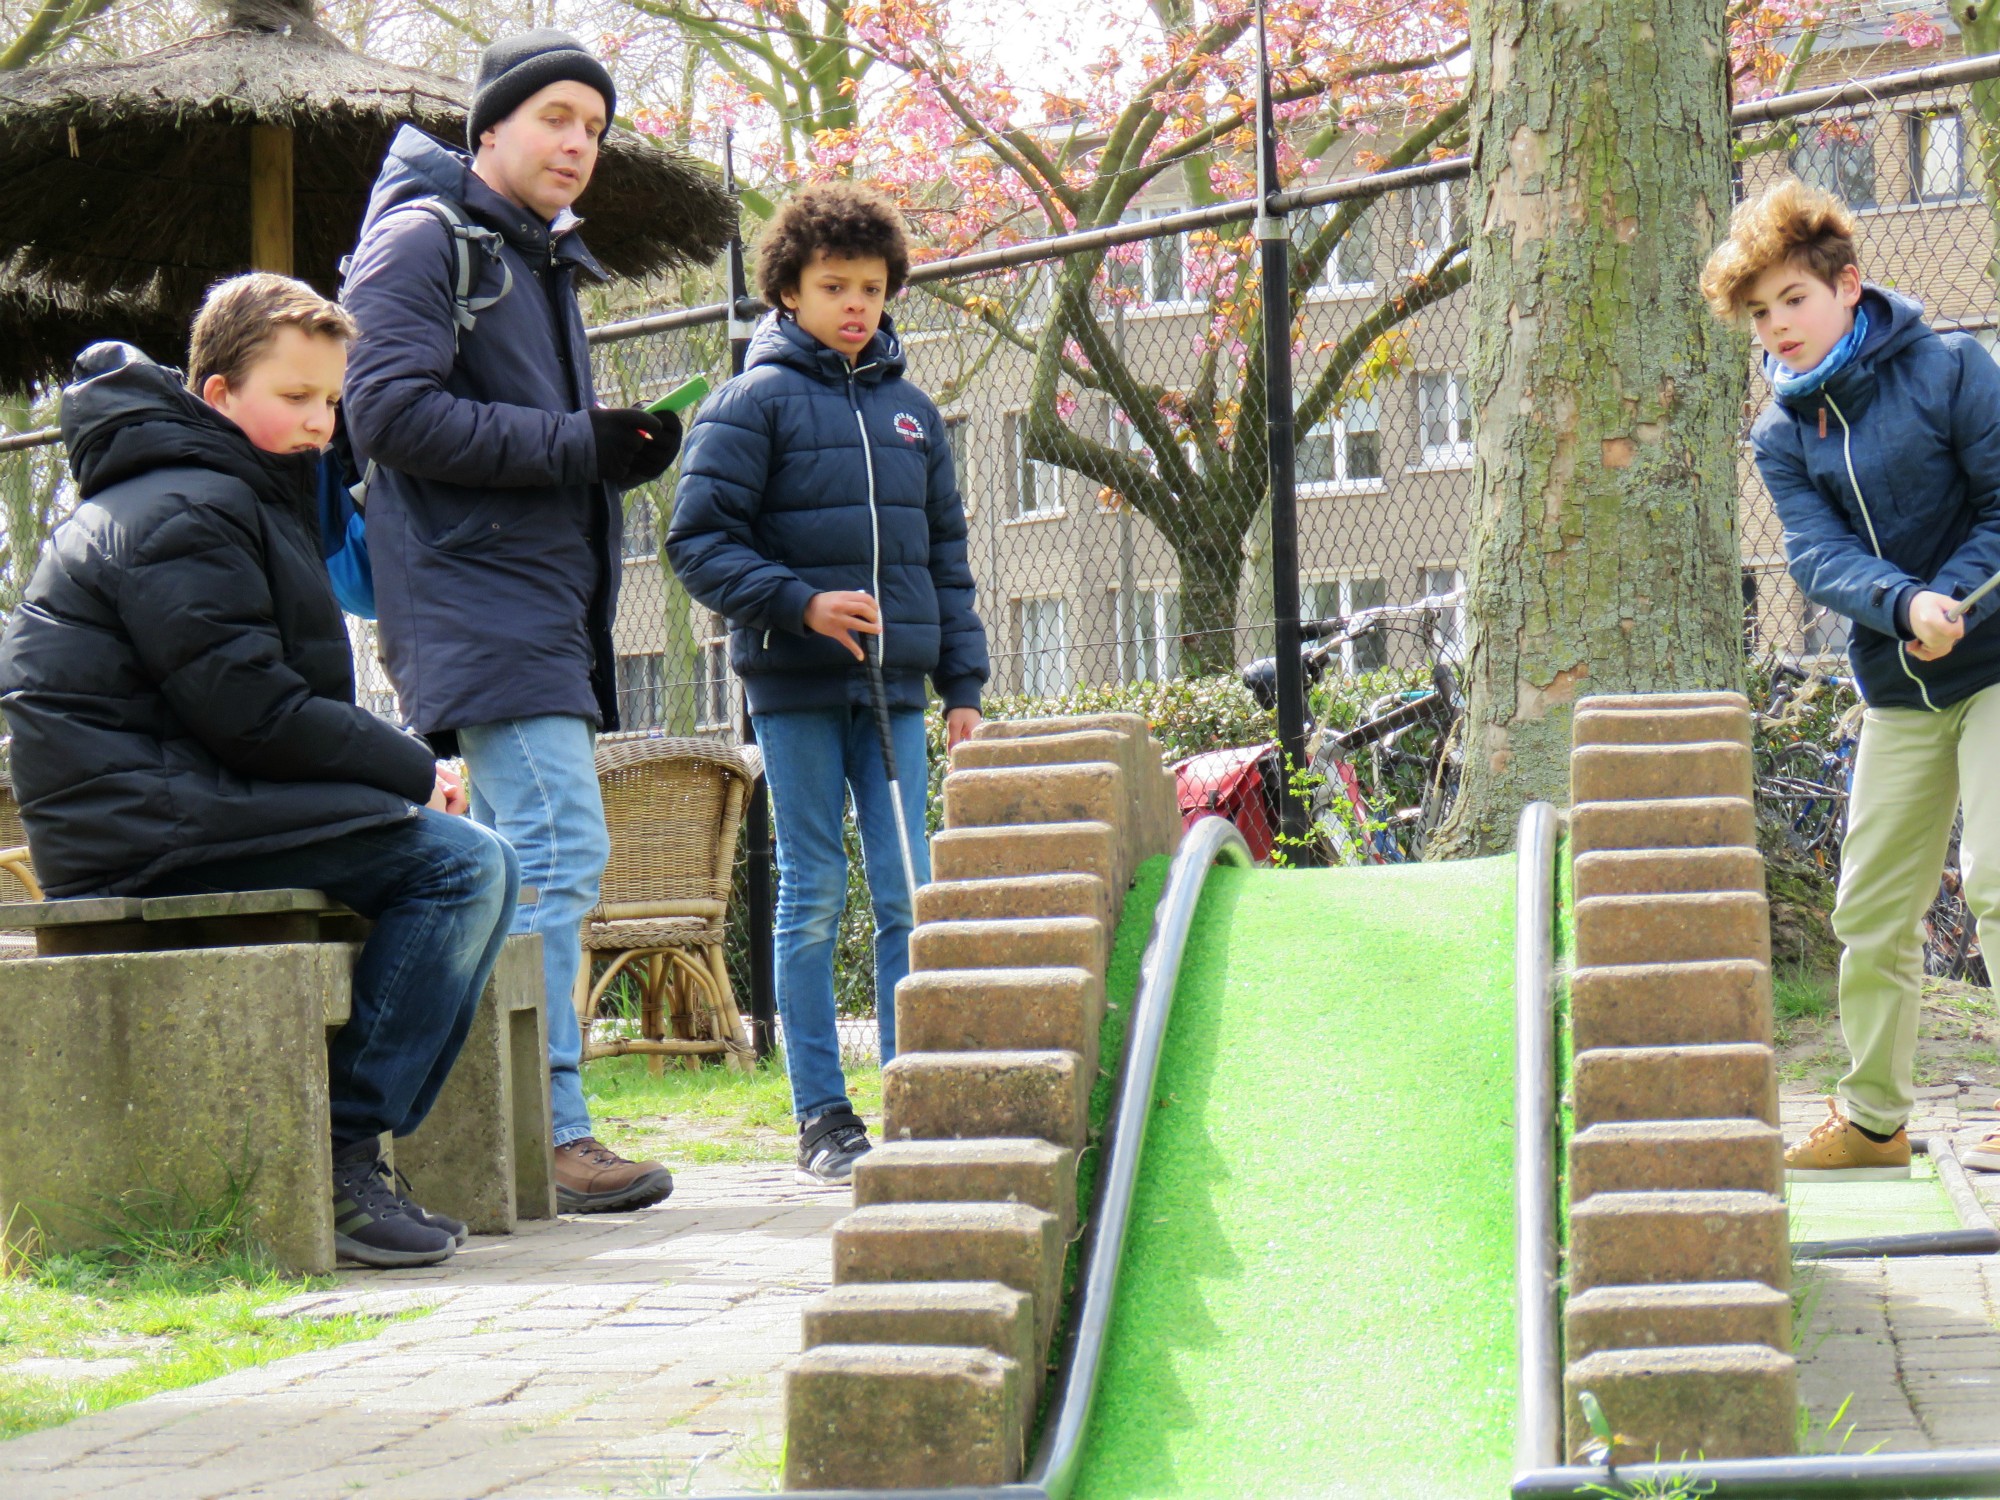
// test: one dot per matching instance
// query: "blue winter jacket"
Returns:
(495, 547)
(803, 475)
(1887, 480)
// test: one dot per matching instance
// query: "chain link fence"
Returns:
(1104, 403)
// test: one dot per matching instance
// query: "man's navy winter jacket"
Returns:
(495, 547)
(1887, 480)
(178, 677)
(804, 475)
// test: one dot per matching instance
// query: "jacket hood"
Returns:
(419, 165)
(124, 415)
(778, 340)
(1895, 322)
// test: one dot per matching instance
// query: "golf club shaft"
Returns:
(1957, 611)
(878, 695)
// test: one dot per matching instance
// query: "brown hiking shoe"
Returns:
(593, 1179)
(1837, 1151)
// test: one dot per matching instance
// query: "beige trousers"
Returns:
(1910, 772)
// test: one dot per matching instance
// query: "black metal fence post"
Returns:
(761, 893)
(1274, 251)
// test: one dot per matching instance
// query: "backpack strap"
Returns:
(465, 308)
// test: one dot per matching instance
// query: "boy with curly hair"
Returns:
(817, 504)
(1882, 454)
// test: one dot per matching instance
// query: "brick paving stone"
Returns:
(630, 1354)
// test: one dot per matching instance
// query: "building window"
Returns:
(1937, 156)
(1154, 269)
(1043, 632)
(1037, 486)
(1839, 158)
(1350, 266)
(642, 525)
(712, 695)
(955, 432)
(1448, 633)
(1342, 450)
(1434, 215)
(1444, 419)
(642, 690)
(1152, 635)
(1337, 598)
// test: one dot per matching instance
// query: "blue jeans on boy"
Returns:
(534, 781)
(440, 891)
(812, 759)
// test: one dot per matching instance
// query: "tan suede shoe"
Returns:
(593, 1179)
(1837, 1152)
(1984, 1153)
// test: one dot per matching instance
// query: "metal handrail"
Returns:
(1537, 1267)
(1209, 842)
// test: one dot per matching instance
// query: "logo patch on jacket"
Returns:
(908, 428)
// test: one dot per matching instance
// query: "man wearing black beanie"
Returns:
(494, 524)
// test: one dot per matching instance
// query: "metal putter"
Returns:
(878, 696)
(1957, 611)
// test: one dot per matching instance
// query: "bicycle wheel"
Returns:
(1793, 794)
(1951, 936)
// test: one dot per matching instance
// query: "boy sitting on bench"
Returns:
(181, 692)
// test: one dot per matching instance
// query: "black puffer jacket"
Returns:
(177, 677)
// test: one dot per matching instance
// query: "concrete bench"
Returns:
(175, 1048)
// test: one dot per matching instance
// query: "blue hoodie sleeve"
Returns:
(1830, 563)
(1975, 438)
(396, 404)
(963, 664)
(712, 539)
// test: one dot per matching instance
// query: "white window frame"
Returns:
(1836, 149)
(957, 439)
(1456, 451)
(1436, 217)
(1343, 585)
(1335, 430)
(1150, 298)
(1920, 152)
(1330, 283)
(1148, 631)
(1437, 579)
(715, 693)
(1041, 664)
(1029, 475)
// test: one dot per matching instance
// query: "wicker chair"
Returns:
(17, 875)
(673, 807)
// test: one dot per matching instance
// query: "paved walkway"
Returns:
(1914, 1342)
(620, 1355)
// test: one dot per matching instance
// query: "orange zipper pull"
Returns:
(1822, 421)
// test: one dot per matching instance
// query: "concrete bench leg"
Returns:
(142, 1075)
(483, 1155)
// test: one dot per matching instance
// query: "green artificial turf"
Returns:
(1316, 1298)
(1857, 1210)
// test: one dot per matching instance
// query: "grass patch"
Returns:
(174, 1298)
(707, 1116)
(1800, 995)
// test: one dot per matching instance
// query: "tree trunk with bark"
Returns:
(1604, 554)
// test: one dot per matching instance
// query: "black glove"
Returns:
(626, 438)
(658, 455)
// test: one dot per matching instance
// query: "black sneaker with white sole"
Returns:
(370, 1221)
(829, 1146)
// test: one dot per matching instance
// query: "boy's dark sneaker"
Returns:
(370, 1224)
(591, 1178)
(829, 1146)
(458, 1232)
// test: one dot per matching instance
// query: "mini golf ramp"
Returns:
(1315, 1294)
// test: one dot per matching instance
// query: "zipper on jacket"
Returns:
(1847, 456)
(874, 515)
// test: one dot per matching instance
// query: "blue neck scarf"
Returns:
(1838, 358)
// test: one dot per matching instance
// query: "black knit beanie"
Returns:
(515, 68)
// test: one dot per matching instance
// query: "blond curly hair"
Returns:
(1788, 223)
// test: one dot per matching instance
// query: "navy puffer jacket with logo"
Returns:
(803, 476)
(1887, 480)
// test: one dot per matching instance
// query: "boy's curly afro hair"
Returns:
(1787, 224)
(841, 218)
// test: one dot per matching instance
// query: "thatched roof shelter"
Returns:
(127, 187)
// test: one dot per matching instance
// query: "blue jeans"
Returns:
(812, 759)
(535, 782)
(440, 891)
